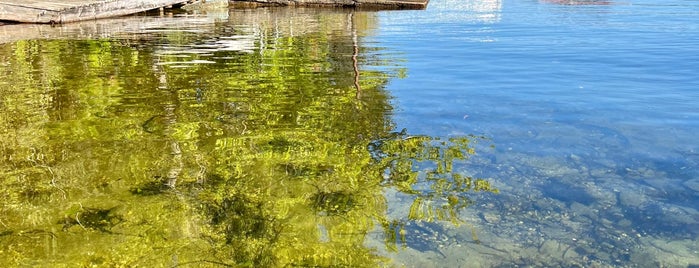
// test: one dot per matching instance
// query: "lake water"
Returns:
(475, 133)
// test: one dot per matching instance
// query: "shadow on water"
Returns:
(255, 139)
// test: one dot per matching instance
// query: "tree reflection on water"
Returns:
(113, 155)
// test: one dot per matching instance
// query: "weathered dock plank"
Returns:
(62, 11)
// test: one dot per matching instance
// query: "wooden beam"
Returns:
(20, 13)
(63, 11)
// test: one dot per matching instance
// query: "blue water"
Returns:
(625, 63)
(593, 112)
(503, 67)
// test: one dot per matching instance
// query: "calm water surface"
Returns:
(592, 111)
(470, 134)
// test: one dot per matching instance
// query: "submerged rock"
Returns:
(567, 193)
(425, 236)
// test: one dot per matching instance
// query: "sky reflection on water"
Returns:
(592, 108)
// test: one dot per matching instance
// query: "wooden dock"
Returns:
(62, 11)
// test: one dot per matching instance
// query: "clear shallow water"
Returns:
(590, 109)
